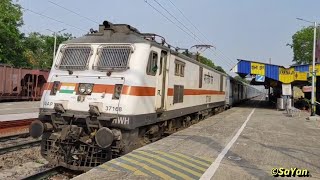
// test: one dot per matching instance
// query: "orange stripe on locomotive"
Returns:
(143, 90)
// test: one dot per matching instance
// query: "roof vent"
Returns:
(107, 24)
(117, 28)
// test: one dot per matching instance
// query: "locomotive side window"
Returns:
(182, 71)
(179, 68)
(75, 57)
(178, 92)
(152, 63)
(113, 57)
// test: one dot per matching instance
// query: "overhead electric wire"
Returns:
(190, 33)
(168, 18)
(53, 19)
(225, 56)
(222, 56)
(202, 34)
(74, 12)
(226, 63)
(177, 19)
(186, 18)
(194, 37)
(48, 7)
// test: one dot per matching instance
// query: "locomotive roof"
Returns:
(119, 33)
(123, 33)
(115, 38)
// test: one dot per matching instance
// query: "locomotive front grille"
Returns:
(74, 155)
(113, 57)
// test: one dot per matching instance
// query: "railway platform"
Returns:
(251, 141)
(10, 111)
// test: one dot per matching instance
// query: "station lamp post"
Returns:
(313, 65)
(55, 40)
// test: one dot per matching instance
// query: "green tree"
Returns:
(206, 61)
(302, 45)
(241, 79)
(210, 63)
(219, 68)
(10, 45)
(38, 49)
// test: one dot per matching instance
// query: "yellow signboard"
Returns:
(286, 75)
(300, 76)
(257, 68)
(317, 69)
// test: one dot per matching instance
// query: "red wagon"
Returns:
(21, 84)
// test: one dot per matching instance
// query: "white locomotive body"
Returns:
(112, 89)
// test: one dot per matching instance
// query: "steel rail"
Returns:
(14, 137)
(46, 174)
(25, 145)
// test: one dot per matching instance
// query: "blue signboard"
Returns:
(260, 78)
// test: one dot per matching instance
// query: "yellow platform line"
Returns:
(161, 166)
(191, 159)
(136, 171)
(146, 167)
(180, 160)
(129, 167)
(107, 167)
(171, 163)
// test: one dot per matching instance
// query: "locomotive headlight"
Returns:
(82, 88)
(85, 89)
(89, 88)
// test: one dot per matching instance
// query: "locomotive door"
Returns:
(161, 82)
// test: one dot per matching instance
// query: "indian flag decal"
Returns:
(67, 88)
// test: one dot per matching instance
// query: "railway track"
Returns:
(14, 146)
(58, 170)
(19, 146)
(14, 137)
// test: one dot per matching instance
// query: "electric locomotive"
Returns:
(116, 89)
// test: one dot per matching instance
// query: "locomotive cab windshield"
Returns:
(113, 57)
(109, 57)
(74, 57)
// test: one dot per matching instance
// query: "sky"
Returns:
(248, 29)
